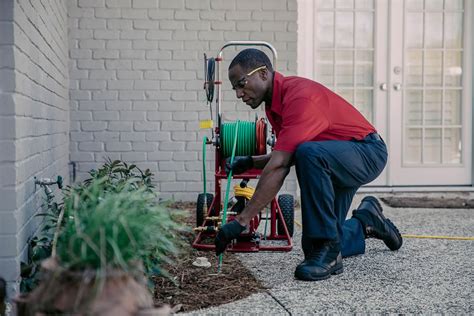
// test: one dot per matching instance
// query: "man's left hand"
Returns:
(226, 234)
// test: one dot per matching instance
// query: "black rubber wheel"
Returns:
(287, 206)
(200, 207)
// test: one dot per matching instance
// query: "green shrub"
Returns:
(40, 245)
(118, 175)
(116, 228)
(111, 219)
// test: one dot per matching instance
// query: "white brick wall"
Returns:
(34, 118)
(124, 77)
(136, 77)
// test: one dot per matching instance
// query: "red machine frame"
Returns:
(246, 241)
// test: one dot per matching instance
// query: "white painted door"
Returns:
(430, 73)
(405, 64)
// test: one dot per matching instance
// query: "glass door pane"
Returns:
(345, 50)
(432, 82)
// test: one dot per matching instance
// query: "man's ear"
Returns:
(264, 74)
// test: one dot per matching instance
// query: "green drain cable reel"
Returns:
(252, 138)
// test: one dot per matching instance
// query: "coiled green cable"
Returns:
(246, 138)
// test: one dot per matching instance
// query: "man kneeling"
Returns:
(335, 151)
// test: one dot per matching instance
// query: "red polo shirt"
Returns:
(303, 110)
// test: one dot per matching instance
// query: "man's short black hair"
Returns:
(251, 58)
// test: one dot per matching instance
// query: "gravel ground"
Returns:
(425, 276)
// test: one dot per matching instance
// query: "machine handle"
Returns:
(218, 68)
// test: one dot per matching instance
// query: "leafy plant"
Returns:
(40, 245)
(106, 228)
(111, 218)
(118, 174)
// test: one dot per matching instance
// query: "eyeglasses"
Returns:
(243, 82)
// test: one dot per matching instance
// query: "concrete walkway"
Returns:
(425, 276)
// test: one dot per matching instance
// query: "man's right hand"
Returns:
(239, 165)
(226, 234)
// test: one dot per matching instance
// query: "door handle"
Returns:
(397, 86)
(383, 86)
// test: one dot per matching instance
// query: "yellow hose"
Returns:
(438, 237)
(421, 236)
(246, 192)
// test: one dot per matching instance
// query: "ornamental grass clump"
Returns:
(103, 240)
(115, 176)
(108, 228)
(107, 240)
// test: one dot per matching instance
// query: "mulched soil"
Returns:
(195, 288)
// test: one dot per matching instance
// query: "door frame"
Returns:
(306, 48)
(425, 175)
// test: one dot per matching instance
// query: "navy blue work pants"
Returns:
(329, 174)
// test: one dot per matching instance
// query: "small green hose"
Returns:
(230, 132)
(204, 142)
(229, 177)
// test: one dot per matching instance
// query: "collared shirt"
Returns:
(303, 110)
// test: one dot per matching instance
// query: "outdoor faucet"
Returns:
(46, 182)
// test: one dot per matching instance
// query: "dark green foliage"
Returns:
(40, 246)
(110, 219)
(118, 174)
(108, 228)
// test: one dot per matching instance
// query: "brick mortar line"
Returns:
(59, 81)
(47, 30)
(50, 28)
(39, 48)
(62, 87)
(41, 101)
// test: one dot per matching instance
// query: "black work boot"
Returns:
(320, 262)
(376, 225)
(306, 245)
